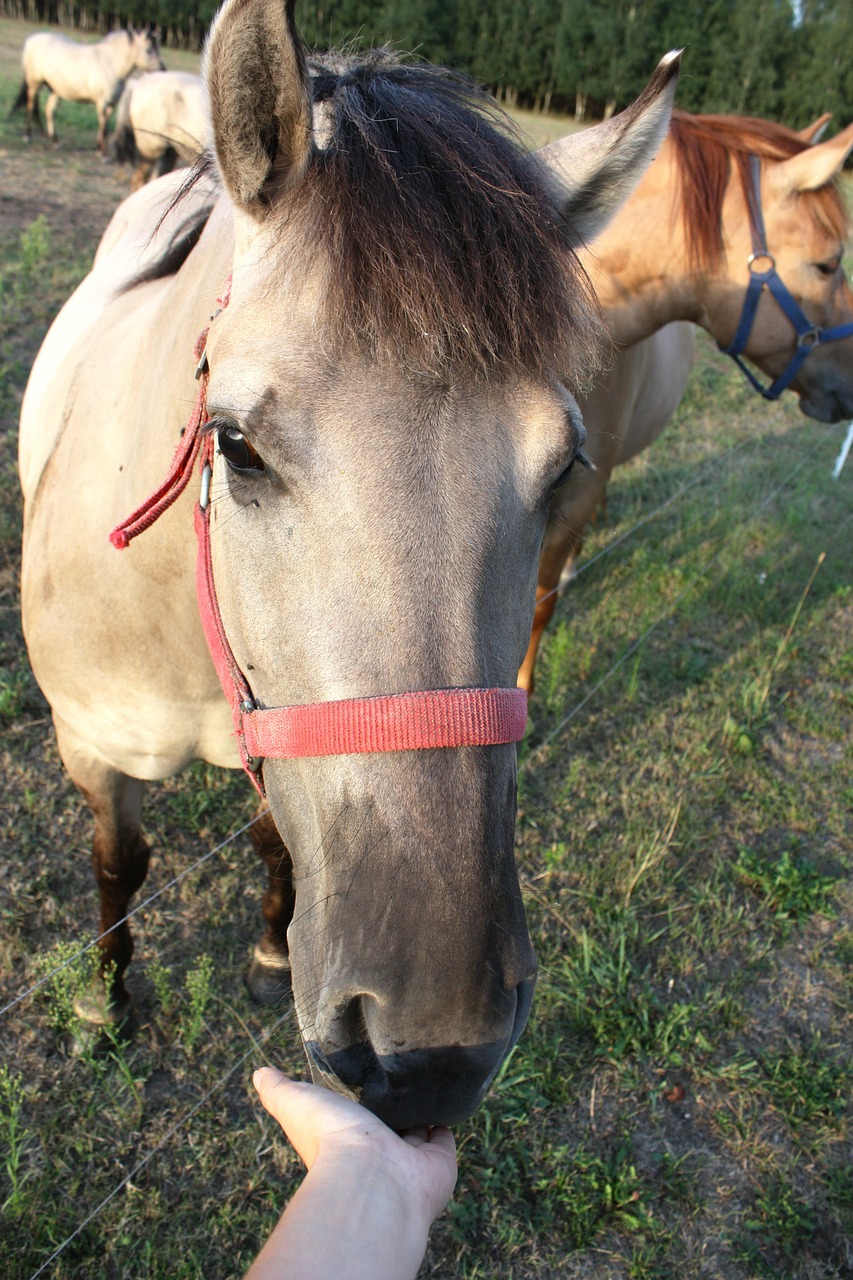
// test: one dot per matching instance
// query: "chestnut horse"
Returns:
(82, 72)
(685, 248)
(381, 417)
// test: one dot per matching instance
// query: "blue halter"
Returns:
(809, 335)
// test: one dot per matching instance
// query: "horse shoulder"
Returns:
(654, 379)
(136, 235)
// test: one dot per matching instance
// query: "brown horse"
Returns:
(683, 248)
(381, 423)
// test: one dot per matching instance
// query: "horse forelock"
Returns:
(440, 239)
(706, 147)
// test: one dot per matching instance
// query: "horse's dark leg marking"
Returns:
(120, 862)
(269, 974)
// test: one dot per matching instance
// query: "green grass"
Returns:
(679, 1103)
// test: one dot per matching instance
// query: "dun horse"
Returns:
(738, 227)
(161, 120)
(382, 418)
(82, 73)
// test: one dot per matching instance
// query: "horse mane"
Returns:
(706, 148)
(169, 259)
(443, 243)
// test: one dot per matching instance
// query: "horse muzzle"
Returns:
(408, 1087)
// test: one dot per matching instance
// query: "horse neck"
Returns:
(640, 265)
(121, 54)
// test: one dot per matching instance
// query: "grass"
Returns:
(679, 1104)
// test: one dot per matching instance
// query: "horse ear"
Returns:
(814, 132)
(260, 102)
(598, 168)
(812, 168)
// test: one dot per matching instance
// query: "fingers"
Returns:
(308, 1113)
(438, 1137)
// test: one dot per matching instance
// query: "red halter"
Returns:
(387, 722)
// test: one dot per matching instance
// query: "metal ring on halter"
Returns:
(766, 257)
(811, 338)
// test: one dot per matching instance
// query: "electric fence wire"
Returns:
(146, 902)
(667, 613)
(712, 469)
(179, 1124)
(223, 1079)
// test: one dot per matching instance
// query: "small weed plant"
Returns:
(790, 887)
(14, 1139)
(198, 987)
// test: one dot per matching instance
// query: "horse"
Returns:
(82, 73)
(381, 295)
(161, 119)
(739, 228)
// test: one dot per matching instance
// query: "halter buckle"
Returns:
(254, 764)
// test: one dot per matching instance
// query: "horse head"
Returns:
(145, 43)
(803, 327)
(389, 426)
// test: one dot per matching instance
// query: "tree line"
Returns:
(786, 59)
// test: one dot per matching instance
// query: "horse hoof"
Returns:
(268, 978)
(100, 1024)
(96, 1009)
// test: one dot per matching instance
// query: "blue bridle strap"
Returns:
(809, 335)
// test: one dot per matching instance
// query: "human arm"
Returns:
(364, 1209)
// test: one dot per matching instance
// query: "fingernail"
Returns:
(256, 1079)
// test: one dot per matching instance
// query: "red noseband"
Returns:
(388, 722)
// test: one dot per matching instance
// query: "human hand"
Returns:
(327, 1127)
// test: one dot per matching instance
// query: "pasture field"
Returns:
(680, 1104)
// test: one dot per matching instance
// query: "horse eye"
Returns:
(580, 457)
(237, 451)
(828, 268)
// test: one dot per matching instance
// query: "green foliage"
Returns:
(162, 984)
(753, 57)
(808, 1083)
(14, 1138)
(15, 688)
(790, 888)
(68, 976)
(609, 995)
(198, 986)
(35, 245)
(782, 1217)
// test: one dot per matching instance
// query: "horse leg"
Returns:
(268, 978)
(120, 862)
(103, 116)
(49, 112)
(32, 109)
(28, 126)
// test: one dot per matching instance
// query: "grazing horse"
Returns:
(381, 417)
(692, 244)
(161, 120)
(82, 72)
